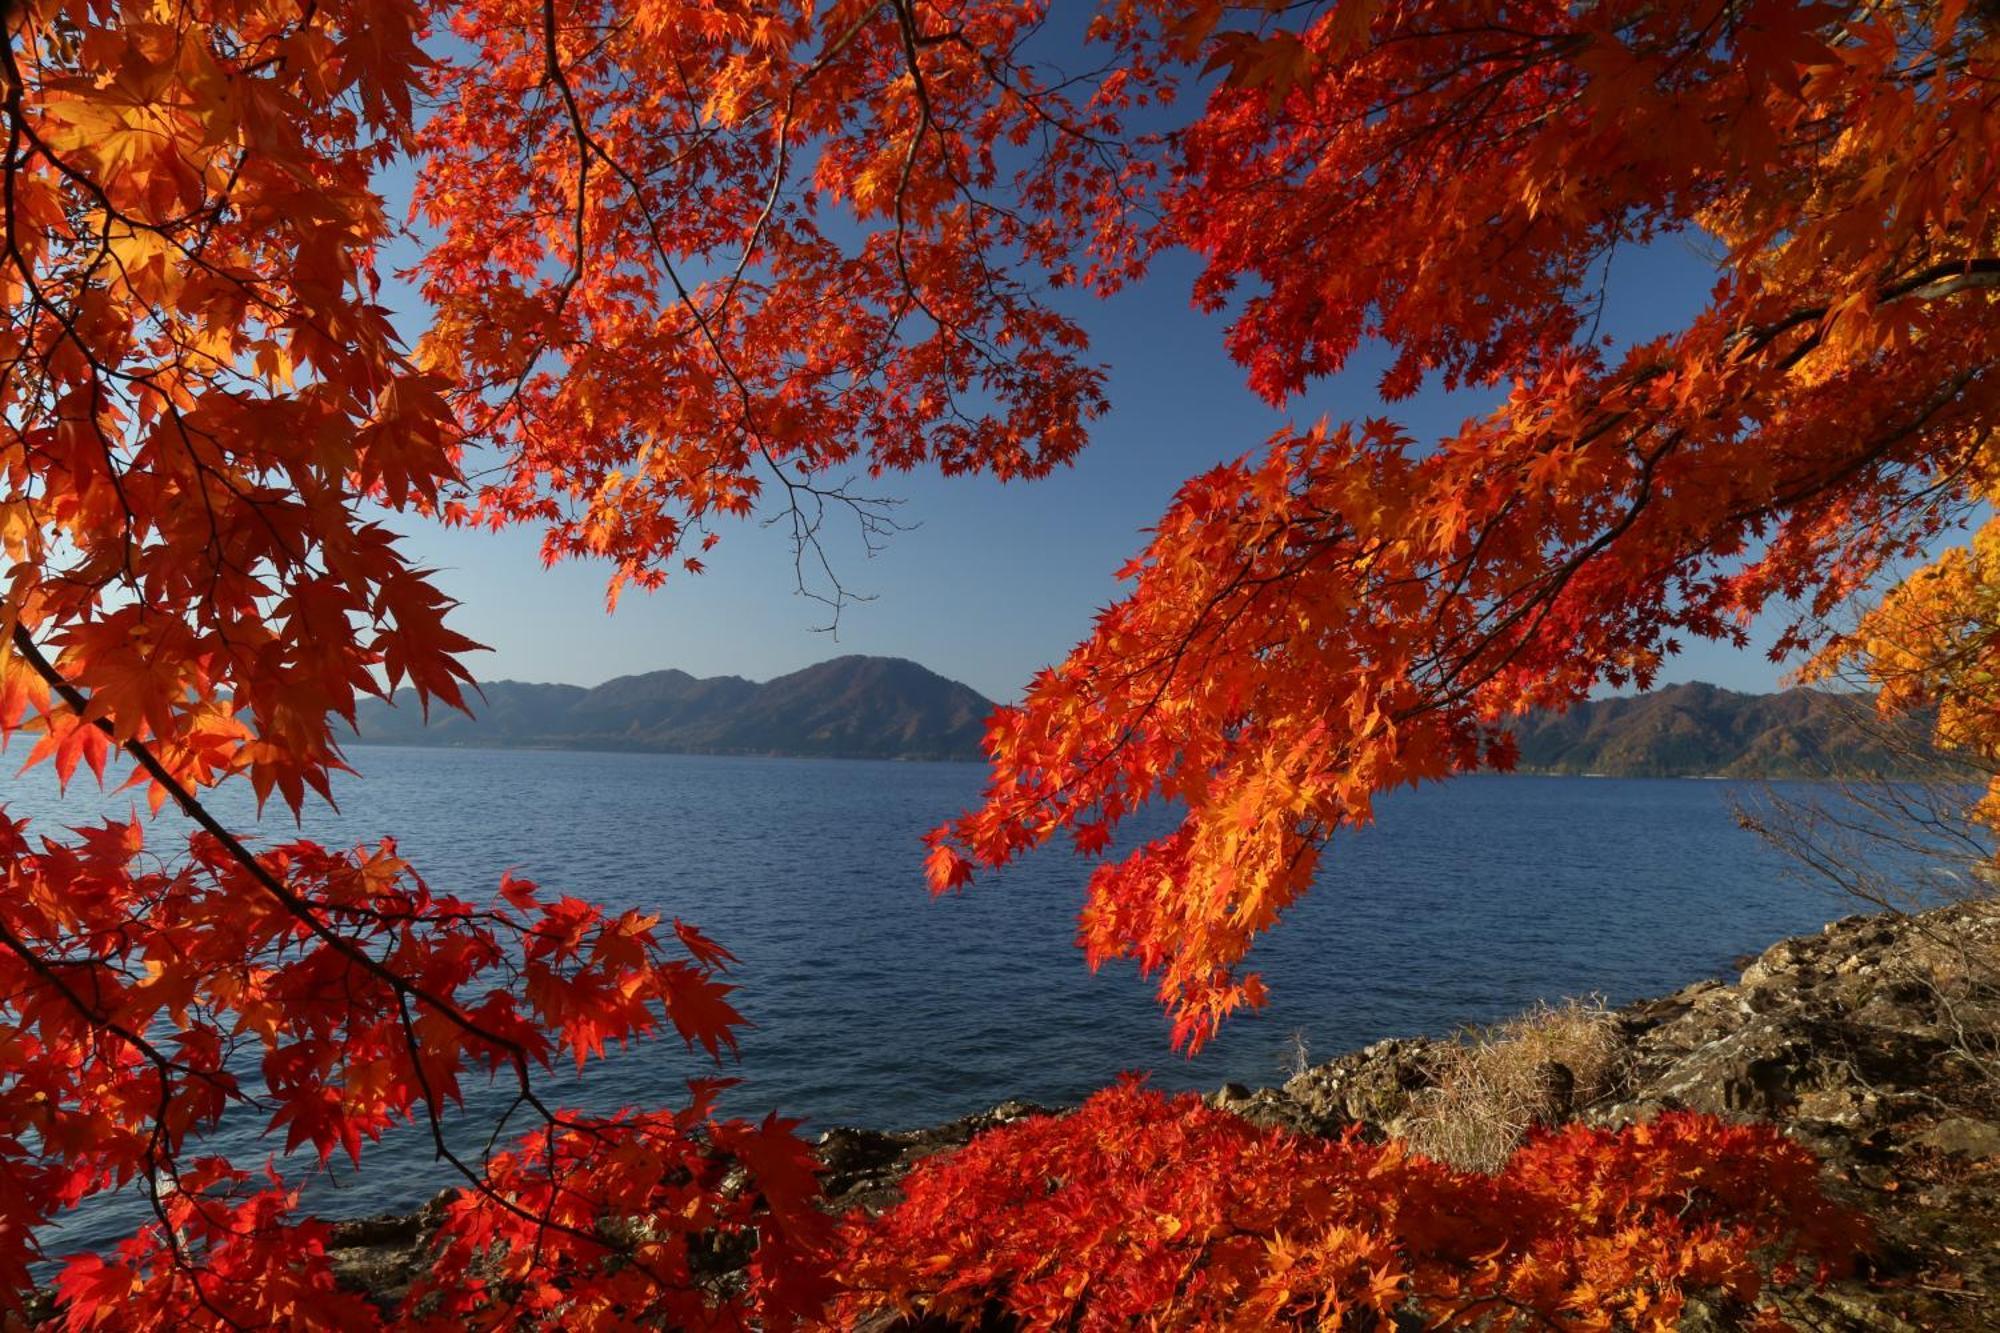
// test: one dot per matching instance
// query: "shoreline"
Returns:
(1854, 1041)
(1873, 1043)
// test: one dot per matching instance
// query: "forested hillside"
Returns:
(1701, 730)
(857, 707)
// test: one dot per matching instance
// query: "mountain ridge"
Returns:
(1700, 730)
(892, 708)
(851, 707)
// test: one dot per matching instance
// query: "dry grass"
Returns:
(1495, 1084)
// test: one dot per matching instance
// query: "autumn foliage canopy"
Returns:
(683, 263)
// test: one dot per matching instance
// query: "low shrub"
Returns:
(1140, 1210)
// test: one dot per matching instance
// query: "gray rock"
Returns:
(1757, 1069)
(1964, 1136)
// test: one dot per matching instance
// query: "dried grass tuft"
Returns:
(1495, 1084)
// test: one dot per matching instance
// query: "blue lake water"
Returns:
(877, 1005)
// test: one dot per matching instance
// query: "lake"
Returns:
(877, 1005)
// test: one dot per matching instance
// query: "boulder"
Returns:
(1963, 1137)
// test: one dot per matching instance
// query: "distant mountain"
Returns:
(1701, 730)
(851, 707)
(888, 708)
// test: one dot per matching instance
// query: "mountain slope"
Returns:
(889, 708)
(855, 707)
(1699, 730)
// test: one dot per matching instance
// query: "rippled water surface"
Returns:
(876, 1005)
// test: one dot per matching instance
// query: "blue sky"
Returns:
(991, 581)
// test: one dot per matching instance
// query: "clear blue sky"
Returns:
(992, 581)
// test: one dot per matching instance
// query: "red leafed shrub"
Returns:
(1139, 1209)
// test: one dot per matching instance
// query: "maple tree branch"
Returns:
(553, 73)
(544, 1221)
(805, 531)
(764, 215)
(912, 42)
(48, 970)
(20, 127)
(302, 910)
(1546, 588)
(1935, 282)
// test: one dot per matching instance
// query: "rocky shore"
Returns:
(1876, 1043)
